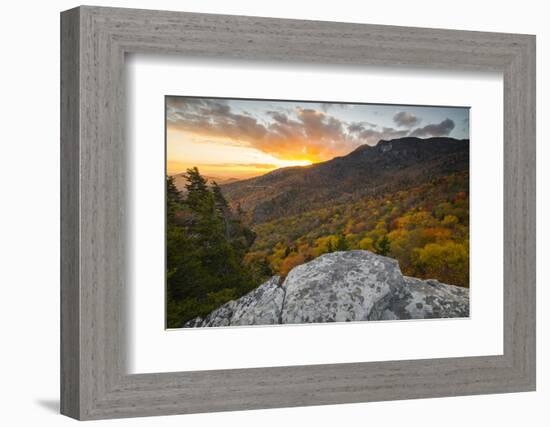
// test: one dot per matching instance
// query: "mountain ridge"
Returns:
(180, 181)
(368, 170)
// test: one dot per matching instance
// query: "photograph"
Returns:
(291, 212)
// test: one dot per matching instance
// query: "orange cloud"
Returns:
(302, 134)
(309, 136)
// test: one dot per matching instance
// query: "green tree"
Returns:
(382, 246)
(222, 209)
(174, 199)
(199, 198)
(341, 243)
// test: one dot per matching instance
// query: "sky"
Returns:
(236, 138)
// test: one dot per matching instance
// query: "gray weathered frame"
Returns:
(94, 41)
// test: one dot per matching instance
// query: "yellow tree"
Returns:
(446, 261)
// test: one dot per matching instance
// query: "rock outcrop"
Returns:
(423, 299)
(341, 287)
(262, 306)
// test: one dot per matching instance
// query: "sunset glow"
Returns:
(245, 138)
(222, 157)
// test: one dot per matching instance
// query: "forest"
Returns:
(426, 228)
(206, 244)
(215, 253)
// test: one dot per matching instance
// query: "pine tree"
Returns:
(199, 199)
(219, 199)
(383, 246)
(174, 199)
(222, 209)
(341, 244)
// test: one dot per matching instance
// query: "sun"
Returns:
(303, 162)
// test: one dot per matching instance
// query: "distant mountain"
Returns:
(180, 181)
(367, 171)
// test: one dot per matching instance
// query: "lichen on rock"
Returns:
(339, 287)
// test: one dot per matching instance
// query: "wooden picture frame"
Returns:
(94, 382)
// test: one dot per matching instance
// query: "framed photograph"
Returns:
(262, 213)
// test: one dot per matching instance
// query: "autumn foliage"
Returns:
(426, 228)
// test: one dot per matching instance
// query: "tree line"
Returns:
(206, 242)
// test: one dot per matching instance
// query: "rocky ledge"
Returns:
(341, 287)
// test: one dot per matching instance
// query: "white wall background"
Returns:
(29, 224)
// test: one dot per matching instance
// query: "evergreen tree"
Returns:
(341, 244)
(222, 209)
(199, 199)
(383, 245)
(219, 199)
(174, 198)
